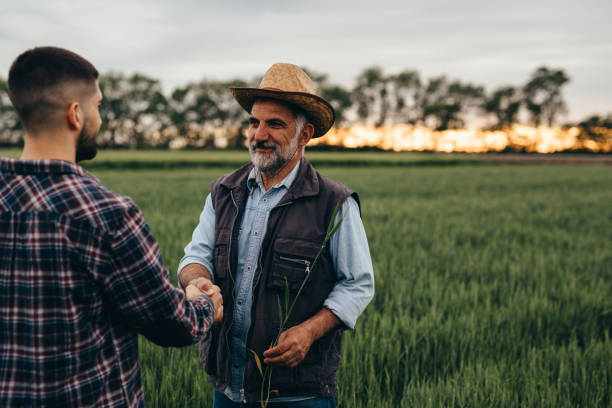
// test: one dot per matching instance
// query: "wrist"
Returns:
(192, 272)
(309, 331)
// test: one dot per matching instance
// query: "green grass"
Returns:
(152, 159)
(493, 284)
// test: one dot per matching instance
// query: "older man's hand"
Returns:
(204, 286)
(293, 345)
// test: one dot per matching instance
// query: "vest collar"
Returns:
(306, 182)
(255, 180)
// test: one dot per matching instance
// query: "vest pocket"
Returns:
(221, 254)
(221, 263)
(291, 260)
(294, 277)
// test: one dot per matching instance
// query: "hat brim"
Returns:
(319, 111)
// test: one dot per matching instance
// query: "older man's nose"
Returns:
(261, 133)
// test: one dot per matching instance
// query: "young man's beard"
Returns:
(270, 162)
(86, 148)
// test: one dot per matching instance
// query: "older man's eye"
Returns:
(277, 124)
(253, 122)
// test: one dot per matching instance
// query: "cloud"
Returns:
(489, 43)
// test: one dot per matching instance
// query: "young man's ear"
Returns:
(74, 116)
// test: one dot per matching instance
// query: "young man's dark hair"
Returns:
(37, 80)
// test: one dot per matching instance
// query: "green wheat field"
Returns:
(493, 282)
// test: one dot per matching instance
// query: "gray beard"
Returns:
(271, 162)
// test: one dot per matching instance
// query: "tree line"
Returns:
(137, 113)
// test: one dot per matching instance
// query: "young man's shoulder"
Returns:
(101, 206)
(79, 197)
(56, 186)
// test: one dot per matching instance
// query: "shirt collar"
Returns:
(255, 178)
(48, 166)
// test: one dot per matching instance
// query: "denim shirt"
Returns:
(348, 248)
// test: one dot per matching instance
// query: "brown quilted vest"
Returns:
(296, 229)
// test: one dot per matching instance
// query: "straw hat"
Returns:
(288, 83)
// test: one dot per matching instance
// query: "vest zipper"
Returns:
(229, 268)
(256, 283)
(229, 265)
(296, 260)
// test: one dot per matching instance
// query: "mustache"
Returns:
(263, 145)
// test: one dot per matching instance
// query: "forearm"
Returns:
(191, 272)
(350, 253)
(321, 323)
(183, 331)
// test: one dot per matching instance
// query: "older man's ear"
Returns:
(306, 134)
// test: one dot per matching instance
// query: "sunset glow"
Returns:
(519, 138)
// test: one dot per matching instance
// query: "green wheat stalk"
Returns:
(267, 374)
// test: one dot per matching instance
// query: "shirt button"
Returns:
(248, 268)
(240, 302)
(256, 233)
(235, 365)
(265, 200)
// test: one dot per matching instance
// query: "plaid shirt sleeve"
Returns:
(138, 288)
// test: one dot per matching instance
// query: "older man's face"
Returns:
(272, 134)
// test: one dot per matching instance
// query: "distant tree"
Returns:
(340, 99)
(382, 99)
(597, 121)
(134, 111)
(504, 103)
(372, 97)
(234, 117)
(214, 104)
(319, 79)
(178, 107)
(543, 97)
(336, 95)
(199, 109)
(445, 103)
(596, 128)
(11, 131)
(435, 103)
(408, 94)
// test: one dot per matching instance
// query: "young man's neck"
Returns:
(41, 147)
(273, 178)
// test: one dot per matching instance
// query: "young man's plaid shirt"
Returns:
(80, 276)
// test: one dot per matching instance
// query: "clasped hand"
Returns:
(204, 286)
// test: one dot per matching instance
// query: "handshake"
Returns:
(203, 286)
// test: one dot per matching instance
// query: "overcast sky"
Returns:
(476, 41)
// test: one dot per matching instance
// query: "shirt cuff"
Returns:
(337, 309)
(206, 304)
